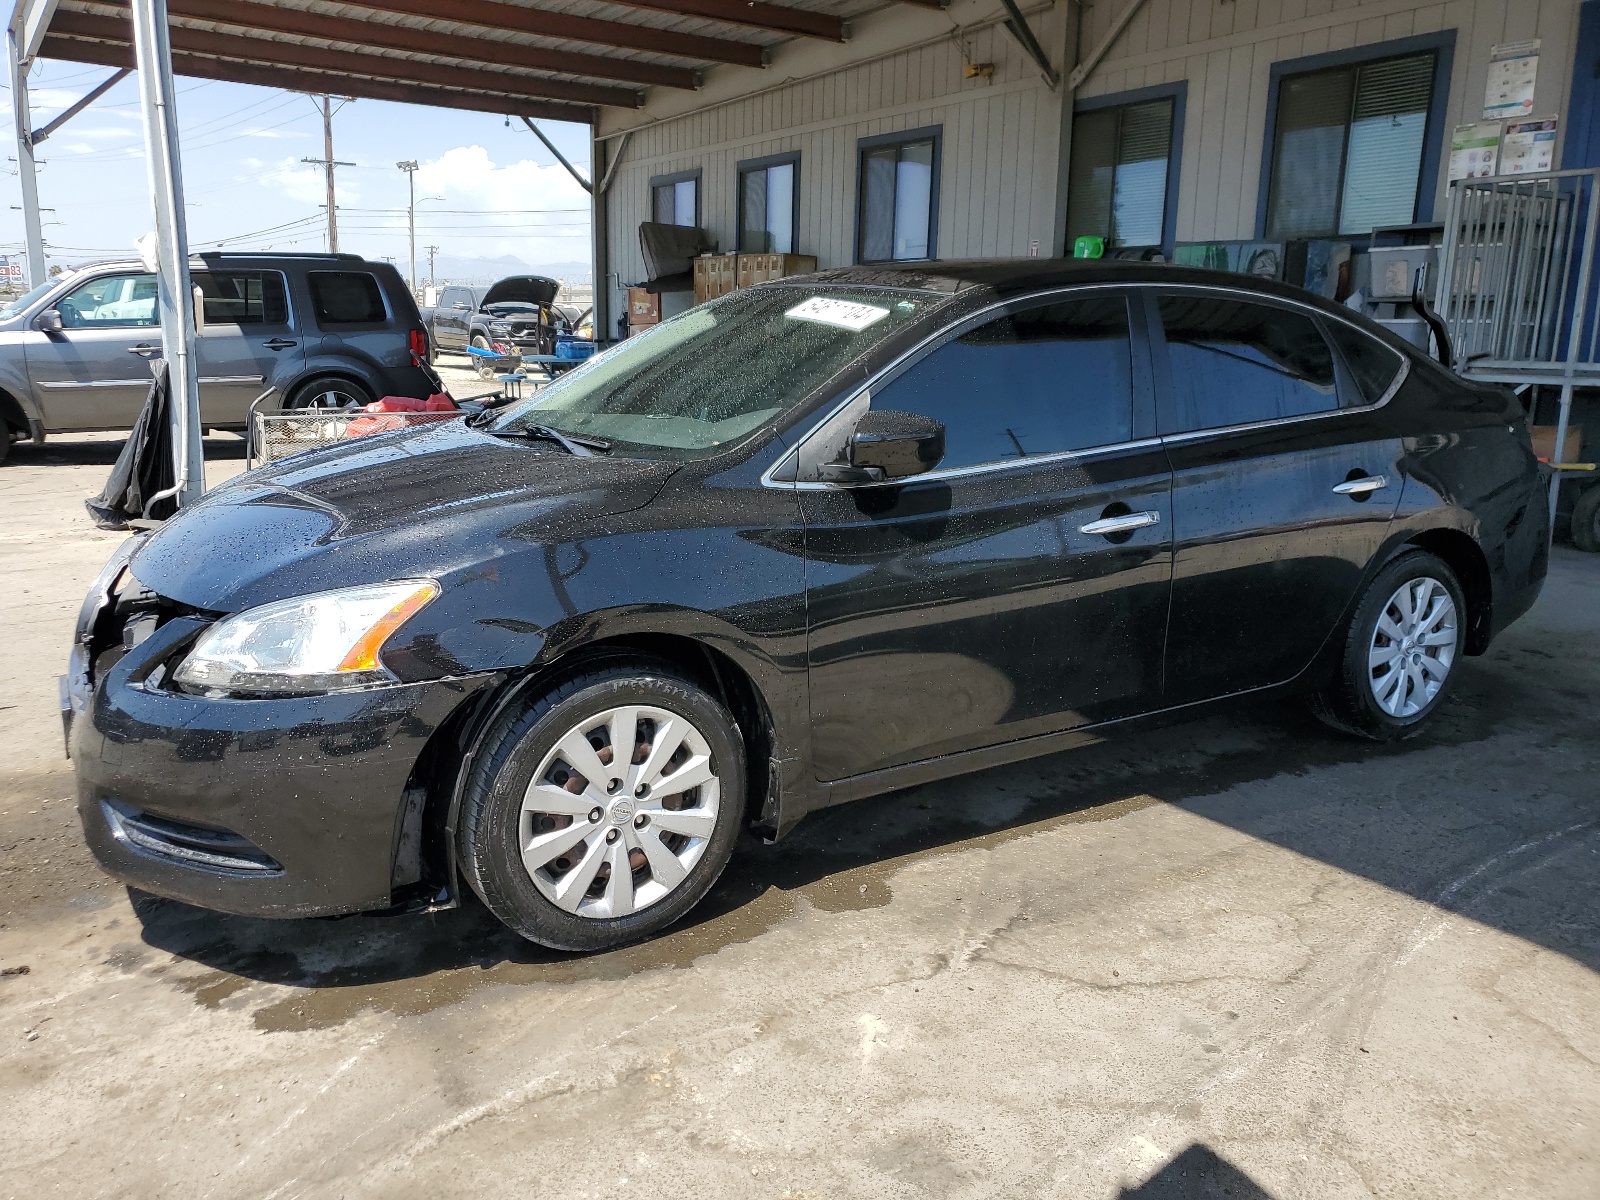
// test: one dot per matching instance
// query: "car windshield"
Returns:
(13, 307)
(722, 370)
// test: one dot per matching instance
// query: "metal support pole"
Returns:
(409, 166)
(27, 176)
(599, 234)
(174, 296)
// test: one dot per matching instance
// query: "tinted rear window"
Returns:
(1235, 363)
(1372, 364)
(243, 297)
(346, 298)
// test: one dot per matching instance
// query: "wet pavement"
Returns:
(1236, 956)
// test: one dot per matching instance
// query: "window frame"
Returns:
(388, 319)
(744, 167)
(124, 273)
(283, 281)
(1442, 45)
(1178, 93)
(695, 174)
(933, 133)
(1143, 378)
(1345, 385)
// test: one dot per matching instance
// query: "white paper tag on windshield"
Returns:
(842, 314)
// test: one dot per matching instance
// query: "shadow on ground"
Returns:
(220, 447)
(1198, 1174)
(1498, 846)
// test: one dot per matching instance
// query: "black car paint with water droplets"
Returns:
(866, 638)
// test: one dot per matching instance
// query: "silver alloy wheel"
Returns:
(1413, 647)
(603, 834)
(330, 398)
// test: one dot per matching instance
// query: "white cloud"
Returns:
(305, 182)
(273, 133)
(467, 174)
(495, 197)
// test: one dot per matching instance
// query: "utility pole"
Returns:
(432, 250)
(327, 162)
(409, 166)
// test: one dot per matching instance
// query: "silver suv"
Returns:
(326, 330)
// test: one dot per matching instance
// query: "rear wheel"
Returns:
(330, 392)
(1400, 652)
(605, 810)
(1586, 521)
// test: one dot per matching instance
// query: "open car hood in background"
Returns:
(524, 289)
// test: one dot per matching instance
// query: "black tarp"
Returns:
(143, 469)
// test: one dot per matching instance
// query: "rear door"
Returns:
(246, 342)
(987, 600)
(452, 315)
(95, 372)
(1285, 477)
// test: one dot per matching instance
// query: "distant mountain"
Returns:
(455, 268)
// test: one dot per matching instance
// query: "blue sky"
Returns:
(499, 191)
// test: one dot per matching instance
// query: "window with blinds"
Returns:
(896, 205)
(675, 200)
(1348, 148)
(768, 205)
(1117, 175)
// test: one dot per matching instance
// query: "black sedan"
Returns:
(816, 540)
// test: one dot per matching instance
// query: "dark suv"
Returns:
(326, 330)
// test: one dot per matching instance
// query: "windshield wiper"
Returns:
(583, 447)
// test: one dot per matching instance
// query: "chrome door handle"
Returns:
(144, 350)
(1361, 487)
(1123, 524)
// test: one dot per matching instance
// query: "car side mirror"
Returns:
(49, 321)
(888, 444)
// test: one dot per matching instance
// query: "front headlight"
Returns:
(326, 642)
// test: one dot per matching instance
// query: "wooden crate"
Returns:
(644, 308)
(714, 275)
(758, 268)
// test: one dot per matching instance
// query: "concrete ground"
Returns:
(1238, 957)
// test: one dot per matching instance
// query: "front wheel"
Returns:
(1586, 521)
(604, 811)
(1400, 652)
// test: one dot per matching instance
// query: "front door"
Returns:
(1285, 477)
(990, 600)
(246, 342)
(95, 372)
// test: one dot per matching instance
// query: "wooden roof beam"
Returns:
(754, 14)
(493, 15)
(108, 54)
(321, 58)
(481, 46)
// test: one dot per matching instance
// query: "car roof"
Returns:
(1007, 276)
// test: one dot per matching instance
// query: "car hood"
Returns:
(530, 289)
(438, 502)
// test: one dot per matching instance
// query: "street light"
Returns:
(409, 166)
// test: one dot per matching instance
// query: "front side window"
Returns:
(675, 199)
(242, 297)
(1042, 380)
(768, 204)
(1348, 147)
(112, 301)
(346, 298)
(898, 186)
(722, 370)
(1235, 362)
(1117, 180)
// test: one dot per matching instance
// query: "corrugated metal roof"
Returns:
(543, 58)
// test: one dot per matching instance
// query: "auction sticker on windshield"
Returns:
(843, 314)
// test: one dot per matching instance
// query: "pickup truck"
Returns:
(516, 315)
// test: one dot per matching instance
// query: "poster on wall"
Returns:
(1513, 68)
(1474, 150)
(1528, 146)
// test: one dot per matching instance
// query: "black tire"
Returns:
(330, 392)
(6, 434)
(1348, 703)
(489, 827)
(1586, 521)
